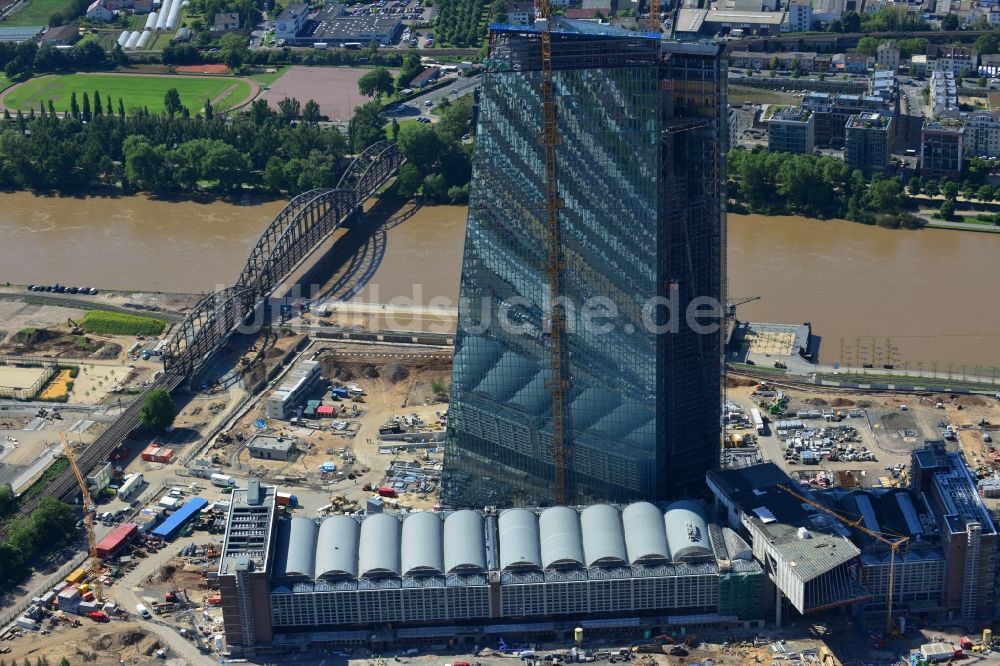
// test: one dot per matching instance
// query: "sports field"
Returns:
(135, 90)
(37, 12)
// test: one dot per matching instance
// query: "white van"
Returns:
(143, 612)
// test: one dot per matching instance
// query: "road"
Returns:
(461, 86)
(128, 592)
(85, 303)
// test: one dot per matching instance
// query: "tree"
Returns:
(931, 188)
(208, 112)
(947, 210)
(311, 112)
(851, 21)
(868, 45)
(949, 189)
(158, 410)
(365, 127)
(985, 193)
(987, 44)
(172, 102)
(949, 22)
(289, 109)
(7, 499)
(421, 146)
(86, 107)
(774, 63)
(74, 106)
(64, 662)
(98, 104)
(915, 185)
(121, 108)
(376, 83)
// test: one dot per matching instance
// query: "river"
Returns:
(932, 295)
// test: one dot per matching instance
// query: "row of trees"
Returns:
(262, 149)
(32, 538)
(887, 19)
(463, 22)
(40, 661)
(814, 186)
(25, 59)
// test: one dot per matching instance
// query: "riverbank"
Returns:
(857, 284)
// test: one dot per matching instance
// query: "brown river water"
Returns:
(934, 294)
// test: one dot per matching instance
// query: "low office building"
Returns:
(791, 130)
(982, 134)
(784, 61)
(474, 576)
(290, 22)
(868, 141)
(283, 402)
(942, 145)
(267, 447)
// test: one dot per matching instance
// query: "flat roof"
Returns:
(171, 525)
(736, 16)
(690, 20)
(780, 516)
(272, 443)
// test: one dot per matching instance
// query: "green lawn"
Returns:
(402, 124)
(117, 323)
(135, 90)
(267, 79)
(37, 12)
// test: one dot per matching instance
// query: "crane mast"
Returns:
(654, 15)
(893, 543)
(88, 518)
(550, 139)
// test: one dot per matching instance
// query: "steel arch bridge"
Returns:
(305, 223)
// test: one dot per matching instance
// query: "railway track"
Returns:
(64, 486)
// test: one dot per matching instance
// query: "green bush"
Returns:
(116, 323)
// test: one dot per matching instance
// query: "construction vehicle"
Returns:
(88, 519)
(892, 540)
(75, 328)
(99, 616)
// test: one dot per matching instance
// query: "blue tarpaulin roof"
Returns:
(173, 524)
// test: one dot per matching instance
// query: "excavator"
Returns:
(75, 328)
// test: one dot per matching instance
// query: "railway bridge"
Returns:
(302, 226)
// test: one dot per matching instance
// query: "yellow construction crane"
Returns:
(894, 541)
(654, 15)
(88, 519)
(550, 139)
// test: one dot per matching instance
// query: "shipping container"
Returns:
(132, 483)
(76, 576)
(172, 525)
(110, 545)
(168, 502)
(286, 499)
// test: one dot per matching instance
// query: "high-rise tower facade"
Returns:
(639, 160)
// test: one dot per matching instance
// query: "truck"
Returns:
(386, 491)
(285, 499)
(320, 45)
(938, 652)
(99, 616)
(222, 480)
(758, 421)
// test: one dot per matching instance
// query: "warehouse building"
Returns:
(472, 575)
(331, 25)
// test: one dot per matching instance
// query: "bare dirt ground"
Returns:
(335, 89)
(98, 644)
(396, 380)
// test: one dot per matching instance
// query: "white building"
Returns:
(950, 58)
(293, 390)
(291, 21)
(799, 17)
(98, 12)
(982, 135)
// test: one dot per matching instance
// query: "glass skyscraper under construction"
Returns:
(639, 158)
